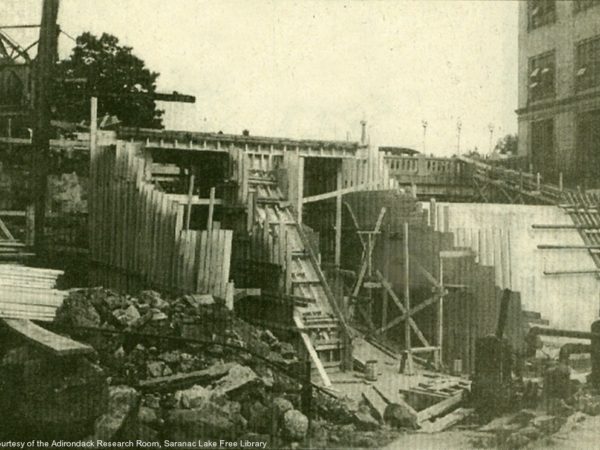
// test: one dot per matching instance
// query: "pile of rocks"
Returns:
(230, 381)
(554, 418)
(185, 391)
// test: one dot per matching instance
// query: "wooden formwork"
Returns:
(138, 234)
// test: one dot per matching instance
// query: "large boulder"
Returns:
(77, 311)
(193, 397)
(295, 425)
(397, 416)
(122, 402)
(281, 406)
(259, 419)
(237, 378)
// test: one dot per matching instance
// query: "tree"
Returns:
(110, 71)
(507, 145)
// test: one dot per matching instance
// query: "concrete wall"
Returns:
(567, 301)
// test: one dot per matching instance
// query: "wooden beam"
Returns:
(439, 408)
(572, 272)
(408, 367)
(312, 352)
(421, 306)
(188, 216)
(211, 210)
(196, 200)
(355, 222)
(402, 308)
(336, 193)
(456, 253)
(427, 275)
(367, 255)
(6, 231)
(338, 217)
(567, 247)
(46, 340)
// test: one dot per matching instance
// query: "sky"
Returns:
(315, 69)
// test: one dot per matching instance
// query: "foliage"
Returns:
(103, 67)
(507, 145)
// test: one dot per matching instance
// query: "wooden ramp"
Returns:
(320, 319)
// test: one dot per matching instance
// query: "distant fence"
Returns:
(370, 173)
(426, 170)
(138, 234)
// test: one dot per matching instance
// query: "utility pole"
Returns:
(424, 125)
(43, 68)
(491, 129)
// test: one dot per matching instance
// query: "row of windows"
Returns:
(542, 12)
(587, 70)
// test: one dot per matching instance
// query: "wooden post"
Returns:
(433, 214)
(211, 210)
(300, 191)
(408, 368)
(29, 225)
(9, 133)
(440, 316)
(92, 194)
(47, 54)
(188, 216)
(560, 181)
(338, 217)
(386, 273)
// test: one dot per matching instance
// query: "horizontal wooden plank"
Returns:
(47, 340)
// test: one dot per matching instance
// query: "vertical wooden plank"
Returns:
(226, 266)
(201, 258)
(338, 217)
(211, 209)
(300, 191)
(188, 216)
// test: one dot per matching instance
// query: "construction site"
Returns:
(201, 289)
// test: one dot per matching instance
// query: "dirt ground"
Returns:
(436, 441)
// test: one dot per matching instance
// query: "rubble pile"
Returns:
(232, 381)
(565, 406)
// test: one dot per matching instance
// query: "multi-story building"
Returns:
(559, 89)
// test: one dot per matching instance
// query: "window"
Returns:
(542, 148)
(541, 76)
(582, 5)
(587, 155)
(540, 12)
(587, 64)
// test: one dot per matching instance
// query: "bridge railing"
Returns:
(426, 170)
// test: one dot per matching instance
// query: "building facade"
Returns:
(559, 89)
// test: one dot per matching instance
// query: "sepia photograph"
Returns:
(300, 224)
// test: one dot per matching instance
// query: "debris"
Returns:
(237, 378)
(399, 416)
(281, 406)
(188, 379)
(375, 402)
(122, 400)
(157, 369)
(365, 421)
(209, 421)
(447, 421)
(295, 425)
(193, 397)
